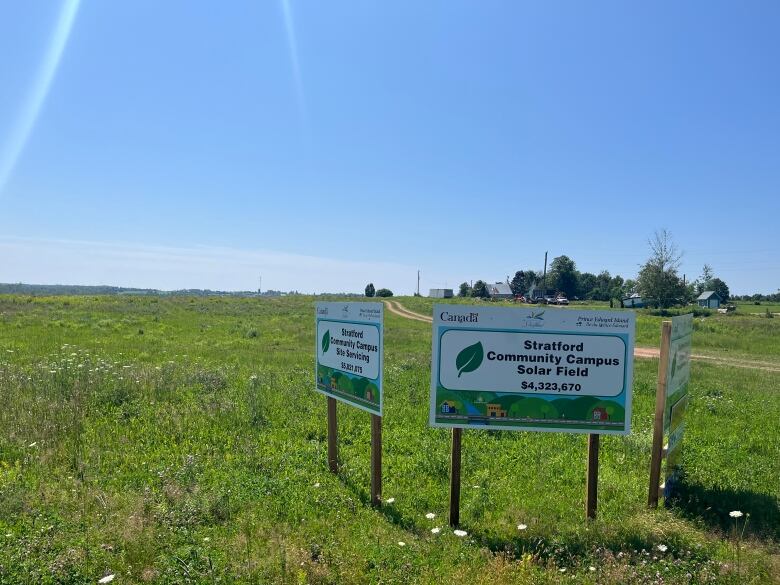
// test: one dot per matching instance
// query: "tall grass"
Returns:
(195, 452)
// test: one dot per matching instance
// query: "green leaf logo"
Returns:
(470, 358)
(326, 341)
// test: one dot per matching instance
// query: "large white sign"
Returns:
(349, 353)
(532, 368)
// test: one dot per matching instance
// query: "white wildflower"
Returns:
(522, 526)
(317, 484)
(459, 532)
(206, 539)
(430, 515)
(401, 543)
(591, 568)
(390, 500)
(662, 547)
(107, 579)
(436, 530)
(735, 514)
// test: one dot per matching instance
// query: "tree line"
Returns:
(658, 281)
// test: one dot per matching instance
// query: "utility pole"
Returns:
(544, 277)
(418, 283)
(260, 290)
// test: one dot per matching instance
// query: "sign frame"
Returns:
(358, 317)
(529, 324)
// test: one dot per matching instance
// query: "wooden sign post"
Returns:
(656, 455)
(671, 399)
(376, 460)
(333, 441)
(592, 484)
(349, 347)
(455, 478)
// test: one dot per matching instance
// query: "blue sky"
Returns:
(328, 144)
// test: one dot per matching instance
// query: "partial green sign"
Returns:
(678, 374)
(523, 369)
(349, 351)
(678, 371)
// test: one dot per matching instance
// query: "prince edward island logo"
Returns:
(470, 358)
(535, 319)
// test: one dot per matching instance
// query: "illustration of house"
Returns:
(369, 394)
(495, 411)
(333, 382)
(448, 407)
(600, 414)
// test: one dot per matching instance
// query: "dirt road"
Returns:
(639, 352)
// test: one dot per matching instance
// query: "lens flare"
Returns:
(21, 131)
(292, 45)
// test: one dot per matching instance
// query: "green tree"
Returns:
(564, 275)
(586, 285)
(704, 282)
(603, 282)
(629, 287)
(370, 290)
(384, 292)
(658, 280)
(480, 290)
(721, 288)
(520, 284)
(616, 287)
(465, 290)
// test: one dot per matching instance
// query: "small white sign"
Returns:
(349, 353)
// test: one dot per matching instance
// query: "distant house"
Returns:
(600, 414)
(500, 290)
(440, 293)
(495, 411)
(635, 301)
(448, 407)
(709, 299)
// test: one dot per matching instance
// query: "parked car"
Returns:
(549, 299)
(561, 300)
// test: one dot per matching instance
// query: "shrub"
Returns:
(384, 292)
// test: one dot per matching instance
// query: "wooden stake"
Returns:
(376, 459)
(333, 445)
(592, 486)
(455, 478)
(658, 424)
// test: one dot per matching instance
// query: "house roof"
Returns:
(499, 288)
(706, 295)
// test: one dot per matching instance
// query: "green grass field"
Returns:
(747, 307)
(180, 440)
